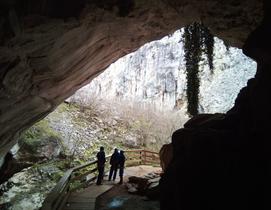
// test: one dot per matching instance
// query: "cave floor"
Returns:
(111, 196)
(118, 198)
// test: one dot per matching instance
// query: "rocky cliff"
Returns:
(156, 74)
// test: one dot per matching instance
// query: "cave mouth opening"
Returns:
(140, 98)
(149, 88)
(151, 83)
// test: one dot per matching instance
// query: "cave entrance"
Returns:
(148, 88)
(137, 102)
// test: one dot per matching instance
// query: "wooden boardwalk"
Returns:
(61, 193)
(85, 199)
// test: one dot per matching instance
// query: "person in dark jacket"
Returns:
(100, 165)
(114, 160)
(121, 165)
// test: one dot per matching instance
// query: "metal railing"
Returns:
(59, 194)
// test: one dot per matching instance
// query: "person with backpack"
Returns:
(114, 160)
(121, 165)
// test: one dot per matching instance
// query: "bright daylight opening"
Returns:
(136, 103)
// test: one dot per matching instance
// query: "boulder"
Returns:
(148, 185)
(140, 183)
(166, 155)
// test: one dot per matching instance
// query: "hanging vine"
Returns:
(208, 44)
(197, 39)
(192, 51)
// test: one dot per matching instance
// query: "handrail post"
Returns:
(144, 157)
(140, 157)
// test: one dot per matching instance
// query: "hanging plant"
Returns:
(208, 44)
(192, 55)
(197, 39)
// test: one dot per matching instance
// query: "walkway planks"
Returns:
(85, 199)
(59, 194)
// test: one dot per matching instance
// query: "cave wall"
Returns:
(223, 161)
(49, 49)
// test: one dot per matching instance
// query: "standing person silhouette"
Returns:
(121, 165)
(100, 165)
(114, 160)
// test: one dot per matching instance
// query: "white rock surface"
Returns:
(155, 74)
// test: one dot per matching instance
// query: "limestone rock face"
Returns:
(156, 75)
(46, 57)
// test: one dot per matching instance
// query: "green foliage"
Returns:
(52, 169)
(75, 185)
(57, 176)
(31, 140)
(192, 49)
(197, 39)
(35, 136)
(208, 43)
(62, 165)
